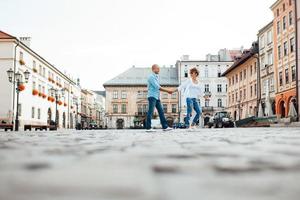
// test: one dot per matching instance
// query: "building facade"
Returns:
(297, 5)
(37, 104)
(214, 95)
(242, 85)
(126, 97)
(266, 70)
(284, 55)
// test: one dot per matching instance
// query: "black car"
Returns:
(220, 120)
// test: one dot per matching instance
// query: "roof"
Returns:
(4, 35)
(136, 76)
(266, 27)
(101, 93)
(245, 56)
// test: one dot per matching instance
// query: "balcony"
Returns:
(140, 114)
(208, 108)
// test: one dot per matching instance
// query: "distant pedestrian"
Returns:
(154, 89)
(191, 90)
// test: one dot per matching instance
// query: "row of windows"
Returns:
(242, 95)
(140, 95)
(287, 47)
(42, 71)
(287, 76)
(285, 23)
(242, 75)
(263, 42)
(219, 88)
(207, 103)
(283, 8)
(206, 73)
(142, 108)
(33, 114)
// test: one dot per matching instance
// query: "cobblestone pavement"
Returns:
(233, 164)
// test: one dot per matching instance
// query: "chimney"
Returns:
(26, 40)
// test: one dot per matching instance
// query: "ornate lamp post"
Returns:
(17, 79)
(57, 94)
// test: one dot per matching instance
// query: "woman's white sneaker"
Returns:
(150, 130)
(168, 129)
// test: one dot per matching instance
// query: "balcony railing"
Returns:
(208, 108)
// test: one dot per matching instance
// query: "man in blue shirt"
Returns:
(154, 89)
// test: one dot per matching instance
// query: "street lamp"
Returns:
(18, 81)
(56, 93)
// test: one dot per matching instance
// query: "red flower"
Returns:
(35, 92)
(44, 96)
(65, 104)
(21, 87)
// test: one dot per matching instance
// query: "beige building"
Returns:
(266, 70)
(126, 97)
(242, 85)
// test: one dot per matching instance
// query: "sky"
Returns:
(96, 40)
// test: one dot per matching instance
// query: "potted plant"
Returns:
(21, 87)
(35, 92)
(44, 96)
(22, 62)
(34, 70)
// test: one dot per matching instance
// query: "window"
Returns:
(283, 7)
(277, 12)
(251, 91)
(186, 74)
(290, 18)
(226, 87)
(293, 73)
(44, 72)
(39, 113)
(280, 78)
(262, 61)
(34, 64)
(255, 89)
(206, 87)
(206, 72)
(279, 52)
(40, 70)
(123, 108)
(285, 48)
(270, 58)
(251, 70)
(115, 94)
(241, 76)
(255, 67)
(219, 103)
(32, 112)
(290, 2)
(233, 80)
(271, 84)
(262, 42)
(174, 108)
(174, 95)
(232, 98)
(229, 81)
(244, 94)
(33, 85)
(21, 55)
(206, 102)
(241, 95)
(124, 95)
(165, 107)
(219, 88)
(292, 45)
(236, 96)
(284, 23)
(278, 27)
(164, 96)
(269, 37)
(286, 75)
(236, 78)
(245, 73)
(140, 94)
(219, 73)
(115, 108)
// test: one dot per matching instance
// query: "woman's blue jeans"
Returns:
(191, 104)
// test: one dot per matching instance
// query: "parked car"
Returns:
(179, 126)
(93, 125)
(220, 120)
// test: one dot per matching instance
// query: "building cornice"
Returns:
(275, 4)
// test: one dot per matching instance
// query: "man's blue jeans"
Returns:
(155, 103)
(192, 103)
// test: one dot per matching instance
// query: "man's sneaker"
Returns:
(150, 130)
(167, 129)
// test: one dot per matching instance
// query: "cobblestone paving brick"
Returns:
(208, 164)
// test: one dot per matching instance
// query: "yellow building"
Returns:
(242, 85)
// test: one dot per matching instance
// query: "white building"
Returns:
(37, 105)
(210, 79)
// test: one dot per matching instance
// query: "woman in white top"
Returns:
(191, 90)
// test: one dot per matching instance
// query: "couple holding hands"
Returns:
(191, 90)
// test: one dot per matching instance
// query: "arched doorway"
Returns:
(282, 109)
(71, 121)
(64, 120)
(274, 107)
(49, 116)
(170, 121)
(120, 123)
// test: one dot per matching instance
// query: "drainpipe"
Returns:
(256, 51)
(14, 81)
(297, 57)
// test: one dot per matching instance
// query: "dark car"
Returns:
(220, 120)
(179, 126)
(93, 125)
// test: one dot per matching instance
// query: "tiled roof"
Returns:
(4, 35)
(139, 76)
